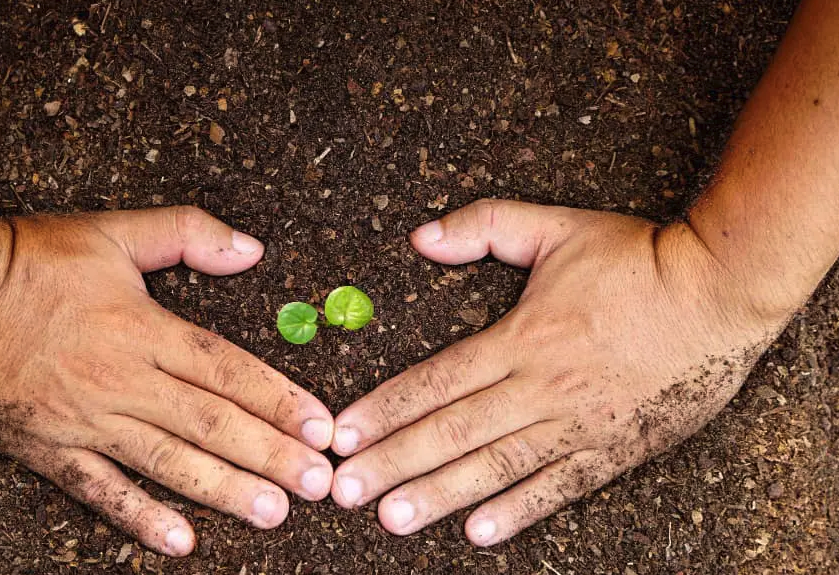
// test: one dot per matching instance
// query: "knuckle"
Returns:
(225, 376)
(92, 370)
(497, 403)
(276, 461)
(444, 494)
(188, 220)
(95, 491)
(391, 464)
(224, 494)
(105, 495)
(485, 210)
(213, 421)
(437, 380)
(284, 407)
(202, 341)
(453, 431)
(124, 325)
(387, 414)
(163, 456)
(508, 461)
(570, 383)
(531, 507)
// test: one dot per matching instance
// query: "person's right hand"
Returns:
(93, 370)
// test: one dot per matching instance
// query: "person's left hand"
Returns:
(628, 338)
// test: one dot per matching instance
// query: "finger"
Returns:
(95, 481)
(196, 474)
(224, 429)
(516, 233)
(162, 237)
(471, 478)
(462, 369)
(442, 437)
(539, 496)
(207, 360)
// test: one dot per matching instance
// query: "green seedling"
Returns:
(346, 306)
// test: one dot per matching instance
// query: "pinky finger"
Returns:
(93, 480)
(539, 496)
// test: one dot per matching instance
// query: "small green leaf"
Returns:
(348, 306)
(298, 322)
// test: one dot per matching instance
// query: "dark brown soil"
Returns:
(662, 82)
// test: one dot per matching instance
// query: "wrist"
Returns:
(728, 284)
(758, 259)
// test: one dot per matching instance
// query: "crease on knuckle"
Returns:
(497, 404)
(387, 414)
(275, 462)
(163, 456)
(510, 460)
(436, 380)
(95, 491)
(531, 508)
(485, 212)
(284, 408)
(453, 431)
(224, 379)
(445, 496)
(392, 464)
(92, 369)
(105, 496)
(188, 220)
(224, 495)
(213, 421)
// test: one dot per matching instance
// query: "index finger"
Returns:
(210, 362)
(460, 370)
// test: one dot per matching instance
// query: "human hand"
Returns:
(627, 339)
(92, 370)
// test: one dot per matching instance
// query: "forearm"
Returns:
(6, 248)
(771, 218)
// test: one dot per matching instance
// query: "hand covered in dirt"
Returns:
(93, 371)
(627, 339)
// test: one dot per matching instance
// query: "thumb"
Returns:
(162, 237)
(516, 233)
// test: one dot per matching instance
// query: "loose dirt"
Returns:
(329, 129)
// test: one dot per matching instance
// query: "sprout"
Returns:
(298, 322)
(346, 306)
(349, 307)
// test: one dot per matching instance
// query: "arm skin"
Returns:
(772, 217)
(628, 338)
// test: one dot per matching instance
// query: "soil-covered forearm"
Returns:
(771, 218)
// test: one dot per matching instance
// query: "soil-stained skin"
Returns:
(15, 418)
(206, 342)
(675, 414)
(637, 156)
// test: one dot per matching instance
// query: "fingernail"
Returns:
(346, 439)
(429, 233)
(245, 244)
(483, 531)
(265, 508)
(179, 541)
(401, 512)
(351, 489)
(316, 432)
(316, 481)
